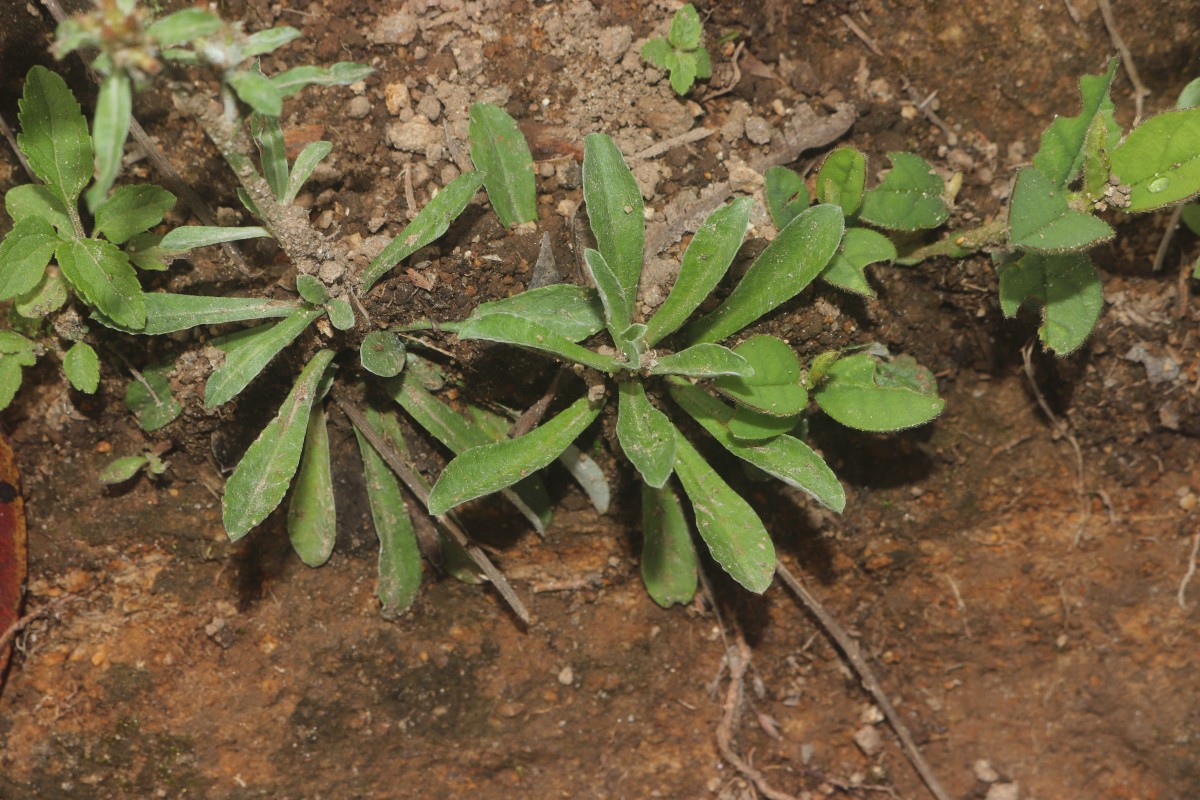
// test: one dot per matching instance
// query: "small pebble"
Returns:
(429, 107)
(1004, 791)
(868, 740)
(984, 771)
(359, 107)
(758, 130)
(566, 676)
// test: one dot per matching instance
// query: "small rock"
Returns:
(469, 58)
(418, 135)
(743, 178)
(447, 174)
(614, 42)
(566, 676)
(984, 771)
(758, 130)
(429, 107)
(868, 740)
(358, 107)
(1004, 791)
(331, 272)
(397, 98)
(566, 208)
(398, 28)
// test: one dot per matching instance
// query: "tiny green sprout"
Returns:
(124, 469)
(681, 54)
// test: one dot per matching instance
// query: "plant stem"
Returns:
(960, 243)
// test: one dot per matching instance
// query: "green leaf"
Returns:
(340, 313)
(783, 457)
(167, 313)
(24, 254)
(150, 398)
(10, 379)
(342, 73)
(114, 112)
(751, 427)
(500, 152)
(103, 276)
(774, 386)
(310, 289)
(431, 222)
(1190, 96)
(860, 392)
(382, 353)
(399, 555)
(34, 200)
(1160, 160)
(728, 525)
(685, 28)
(645, 434)
(842, 179)
(683, 75)
(312, 513)
(483, 470)
(1064, 143)
(705, 262)
(786, 193)
(261, 478)
(703, 361)
(145, 253)
(54, 135)
(248, 352)
(18, 347)
(132, 210)
(614, 208)
(44, 299)
(703, 63)
(656, 51)
(669, 564)
(260, 43)
(272, 152)
(183, 26)
(1191, 217)
(1068, 287)
(71, 35)
(1041, 219)
(257, 91)
(618, 306)
(860, 247)
(590, 477)
(1097, 166)
(782, 271)
(909, 199)
(573, 312)
(193, 236)
(511, 329)
(312, 155)
(122, 469)
(82, 366)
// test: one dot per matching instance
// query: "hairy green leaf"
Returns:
(122, 469)
(787, 195)
(843, 179)
(573, 312)
(312, 513)
(167, 313)
(382, 353)
(703, 361)
(774, 386)
(1160, 160)
(909, 199)
(511, 329)
(657, 51)
(48, 296)
(54, 135)
(193, 236)
(1041, 219)
(248, 352)
(618, 306)
(82, 366)
(310, 289)
(312, 155)
(861, 392)
(114, 112)
(1064, 143)
(24, 254)
(669, 564)
(683, 71)
(645, 434)
(103, 276)
(257, 91)
(34, 200)
(183, 26)
(685, 28)
(18, 347)
(500, 152)
(10, 379)
(261, 478)
(614, 208)
(860, 247)
(342, 73)
(749, 426)
(132, 210)
(1069, 289)
(149, 397)
(272, 152)
(340, 313)
(782, 271)
(266, 41)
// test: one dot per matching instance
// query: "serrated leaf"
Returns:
(705, 262)
(774, 386)
(261, 478)
(1160, 160)
(399, 556)
(114, 112)
(82, 367)
(20, 348)
(102, 275)
(257, 91)
(122, 469)
(1069, 289)
(483, 470)
(683, 76)
(132, 210)
(310, 289)
(656, 51)
(645, 434)
(308, 160)
(860, 248)
(150, 398)
(786, 194)
(48, 296)
(685, 28)
(341, 315)
(908, 199)
(183, 26)
(782, 271)
(431, 222)
(842, 179)
(703, 63)
(614, 208)
(312, 512)
(193, 236)
(34, 200)
(783, 457)
(247, 353)
(1064, 143)
(511, 329)
(24, 254)
(618, 306)
(167, 313)
(573, 312)
(858, 394)
(703, 361)
(500, 152)
(10, 379)
(342, 73)
(669, 564)
(272, 152)
(1040, 218)
(382, 353)
(266, 41)
(728, 525)
(54, 135)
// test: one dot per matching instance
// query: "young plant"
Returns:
(681, 54)
(748, 397)
(500, 152)
(127, 468)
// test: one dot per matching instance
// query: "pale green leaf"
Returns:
(341, 315)
(786, 194)
(123, 469)
(382, 353)
(685, 28)
(1041, 219)
(257, 91)
(312, 513)
(656, 51)
(573, 312)
(908, 199)
(703, 361)
(861, 392)
(312, 155)
(54, 135)
(82, 367)
(645, 434)
(590, 477)
(48, 296)
(310, 289)
(749, 426)
(342, 73)
(1160, 160)
(272, 152)
(149, 397)
(614, 208)
(266, 41)
(248, 352)
(114, 112)
(1190, 215)
(132, 210)
(10, 379)
(193, 236)
(683, 73)
(500, 152)
(669, 564)
(842, 179)
(773, 386)
(1189, 97)
(618, 306)
(1064, 143)
(24, 254)
(102, 275)
(19, 347)
(183, 26)
(167, 313)
(511, 329)
(860, 248)
(1069, 289)
(34, 200)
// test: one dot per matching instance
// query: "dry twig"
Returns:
(1187, 576)
(861, 34)
(1140, 92)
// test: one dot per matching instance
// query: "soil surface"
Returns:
(1017, 581)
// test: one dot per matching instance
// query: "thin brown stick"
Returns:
(533, 415)
(405, 474)
(1072, 12)
(861, 34)
(850, 649)
(7, 637)
(1140, 92)
(1183, 584)
(1160, 255)
(737, 75)
(666, 145)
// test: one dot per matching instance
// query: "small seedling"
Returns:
(127, 468)
(681, 54)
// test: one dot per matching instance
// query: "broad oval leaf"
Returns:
(614, 209)
(311, 290)
(431, 222)
(728, 525)
(751, 427)
(782, 271)
(54, 135)
(685, 28)
(341, 314)
(860, 248)
(483, 470)
(500, 152)
(122, 469)
(24, 254)
(1160, 160)
(669, 563)
(102, 275)
(786, 193)
(149, 397)
(193, 236)
(774, 387)
(908, 199)
(114, 112)
(257, 91)
(261, 479)
(382, 353)
(1068, 288)
(511, 329)
(36, 201)
(842, 179)
(703, 361)
(861, 392)
(48, 296)
(82, 366)
(573, 312)
(705, 262)
(1041, 219)
(645, 434)
(248, 352)
(131, 210)
(312, 514)
(618, 306)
